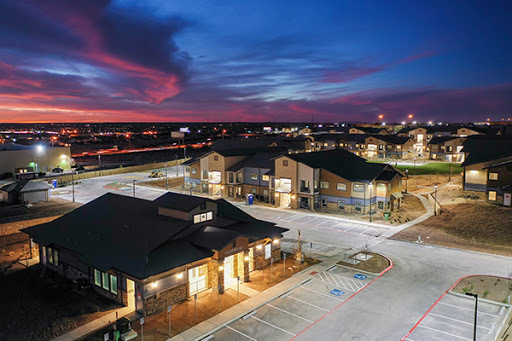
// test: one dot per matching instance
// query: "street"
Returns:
(385, 310)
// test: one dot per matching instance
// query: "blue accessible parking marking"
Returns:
(361, 277)
(337, 292)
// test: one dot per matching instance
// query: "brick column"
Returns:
(220, 276)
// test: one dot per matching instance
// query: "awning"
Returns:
(396, 195)
(284, 189)
(214, 181)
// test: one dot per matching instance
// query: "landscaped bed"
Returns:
(493, 288)
(480, 227)
(43, 307)
(367, 261)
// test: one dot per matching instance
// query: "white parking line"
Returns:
(276, 327)
(333, 278)
(236, 331)
(350, 228)
(449, 318)
(326, 279)
(321, 222)
(440, 331)
(343, 280)
(479, 312)
(321, 293)
(307, 303)
(287, 312)
(365, 231)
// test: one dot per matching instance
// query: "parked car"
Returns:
(57, 170)
(79, 169)
(156, 174)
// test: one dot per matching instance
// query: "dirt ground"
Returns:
(265, 278)
(492, 288)
(425, 183)
(160, 183)
(53, 207)
(375, 264)
(476, 226)
(42, 308)
(13, 248)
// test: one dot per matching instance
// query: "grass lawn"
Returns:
(431, 168)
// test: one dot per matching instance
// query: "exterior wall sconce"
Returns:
(221, 268)
(180, 275)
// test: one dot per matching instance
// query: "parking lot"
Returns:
(452, 319)
(286, 316)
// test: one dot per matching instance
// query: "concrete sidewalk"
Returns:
(217, 322)
(94, 325)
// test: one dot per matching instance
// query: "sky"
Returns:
(258, 61)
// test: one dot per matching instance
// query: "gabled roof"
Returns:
(357, 138)
(342, 163)
(443, 139)
(32, 186)
(258, 160)
(128, 234)
(180, 202)
(393, 139)
(371, 130)
(15, 186)
(482, 148)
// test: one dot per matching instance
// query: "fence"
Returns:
(66, 178)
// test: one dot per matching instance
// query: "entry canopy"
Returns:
(397, 195)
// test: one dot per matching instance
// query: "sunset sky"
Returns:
(330, 61)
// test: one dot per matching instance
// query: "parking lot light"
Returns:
(476, 312)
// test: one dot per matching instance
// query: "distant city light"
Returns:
(403, 122)
(410, 116)
(413, 122)
(381, 116)
(39, 148)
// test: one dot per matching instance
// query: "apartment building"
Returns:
(336, 180)
(389, 146)
(446, 148)
(487, 166)
(368, 130)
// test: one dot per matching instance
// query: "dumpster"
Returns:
(249, 199)
(54, 183)
(386, 215)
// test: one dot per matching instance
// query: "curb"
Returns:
(439, 299)
(368, 272)
(506, 305)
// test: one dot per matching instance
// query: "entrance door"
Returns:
(506, 199)
(197, 278)
(229, 280)
(285, 200)
(130, 292)
(304, 202)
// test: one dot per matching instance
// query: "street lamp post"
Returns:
(370, 202)
(99, 165)
(134, 188)
(166, 186)
(406, 178)
(73, 184)
(450, 172)
(414, 169)
(435, 200)
(476, 313)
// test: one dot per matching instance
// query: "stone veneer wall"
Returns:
(260, 261)
(160, 301)
(213, 275)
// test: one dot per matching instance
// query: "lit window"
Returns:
(113, 284)
(265, 177)
(193, 170)
(209, 216)
(97, 277)
(53, 256)
(341, 186)
(381, 187)
(105, 283)
(358, 188)
(493, 176)
(199, 218)
(254, 176)
(324, 184)
(492, 195)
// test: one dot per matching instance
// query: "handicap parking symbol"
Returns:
(337, 292)
(361, 277)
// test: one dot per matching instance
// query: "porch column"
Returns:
(246, 266)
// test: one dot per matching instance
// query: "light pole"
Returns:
(406, 178)
(450, 172)
(134, 188)
(435, 200)
(99, 165)
(370, 202)
(73, 184)
(476, 312)
(165, 166)
(414, 169)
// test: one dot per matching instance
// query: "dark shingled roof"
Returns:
(394, 139)
(358, 138)
(371, 130)
(342, 163)
(258, 160)
(483, 148)
(128, 234)
(443, 139)
(180, 202)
